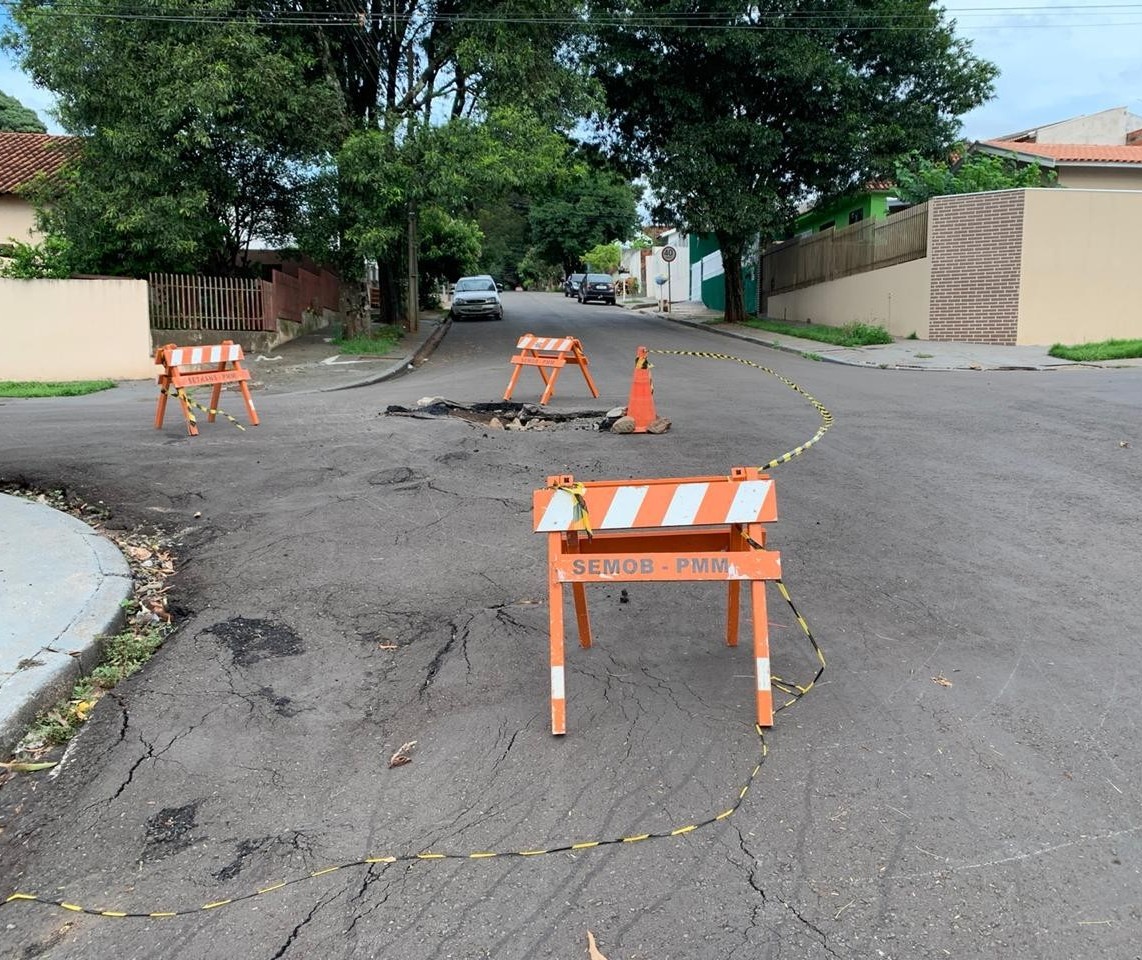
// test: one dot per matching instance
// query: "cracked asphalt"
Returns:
(964, 783)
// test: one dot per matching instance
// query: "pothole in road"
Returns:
(505, 415)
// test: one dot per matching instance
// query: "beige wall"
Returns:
(896, 297)
(1080, 278)
(1101, 178)
(17, 220)
(74, 330)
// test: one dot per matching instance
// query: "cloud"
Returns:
(1053, 64)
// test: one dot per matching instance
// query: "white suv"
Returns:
(475, 298)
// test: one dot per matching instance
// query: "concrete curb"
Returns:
(863, 364)
(401, 366)
(44, 656)
(772, 344)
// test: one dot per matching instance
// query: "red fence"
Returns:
(183, 302)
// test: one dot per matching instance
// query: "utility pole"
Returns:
(413, 272)
(413, 239)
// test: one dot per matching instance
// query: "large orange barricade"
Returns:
(183, 368)
(548, 354)
(680, 529)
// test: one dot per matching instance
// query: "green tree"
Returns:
(736, 111)
(918, 178)
(17, 118)
(361, 205)
(198, 133)
(596, 206)
(603, 257)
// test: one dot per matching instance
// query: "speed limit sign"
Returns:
(669, 254)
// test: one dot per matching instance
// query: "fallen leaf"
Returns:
(139, 553)
(403, 755)
(84, 707)
(198, 513)
(942, 680)
(22, 766)
(1124, 443)
(387, 646)
(592, 950)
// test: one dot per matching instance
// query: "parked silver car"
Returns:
(476, 298)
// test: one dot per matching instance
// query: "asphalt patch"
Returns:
(251, 641)
(168, 831)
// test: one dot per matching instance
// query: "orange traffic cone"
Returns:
(640, 415)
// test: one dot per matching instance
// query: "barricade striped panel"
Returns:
(530, 342)
(188, 356)
(702, 501)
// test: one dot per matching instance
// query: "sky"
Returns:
(1057, 59)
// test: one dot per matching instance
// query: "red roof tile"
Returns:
(1073, 152)
(23, 155)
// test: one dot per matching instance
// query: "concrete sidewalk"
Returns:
(900, 355)
(61, 588)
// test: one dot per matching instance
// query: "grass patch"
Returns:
(923, 356)
(850, 335)
(809, 355)
(379, 341)
(912, 336)
(123, 655)
(1102, 350)
(72, 388)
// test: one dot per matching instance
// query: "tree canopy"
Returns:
(734, 122)
(197, 134)
(17, 118)
(919, 179)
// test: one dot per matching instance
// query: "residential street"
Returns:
(965, 781)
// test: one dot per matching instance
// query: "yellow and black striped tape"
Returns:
(795, 691)
(826, 416)
(181, 394)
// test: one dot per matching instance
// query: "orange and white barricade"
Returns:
(692, 528)
(183, 367)
(548, 355)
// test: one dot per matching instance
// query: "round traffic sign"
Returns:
(669, 254)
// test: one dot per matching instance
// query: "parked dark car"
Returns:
(475, 297)
(571, 284)
(597, 286)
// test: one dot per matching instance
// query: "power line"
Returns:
(1074, 15)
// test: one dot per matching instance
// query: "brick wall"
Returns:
(975, 246)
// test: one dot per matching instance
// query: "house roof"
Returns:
(1085, 153)
(23, 155)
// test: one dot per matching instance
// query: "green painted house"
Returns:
(707, 274)
(875, 203)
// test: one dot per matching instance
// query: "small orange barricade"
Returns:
(548, 354)
(692, 528)
(175, 377)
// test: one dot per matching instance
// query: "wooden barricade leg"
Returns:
(761, 653)
(161, 409)
(733, 607)
(581, 359)
(215, 398)
(579, 592)
(555, 617)
(191, 426)
(512, 382)
(250, 411)
(550, 384)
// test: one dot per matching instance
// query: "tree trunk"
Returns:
(389, 274)
(732, 249)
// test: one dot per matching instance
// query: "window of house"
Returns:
(826, 226)
(856, 216)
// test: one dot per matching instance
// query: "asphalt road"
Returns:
(964, 783)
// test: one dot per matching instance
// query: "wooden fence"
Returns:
(833, 254)
(184, 302)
